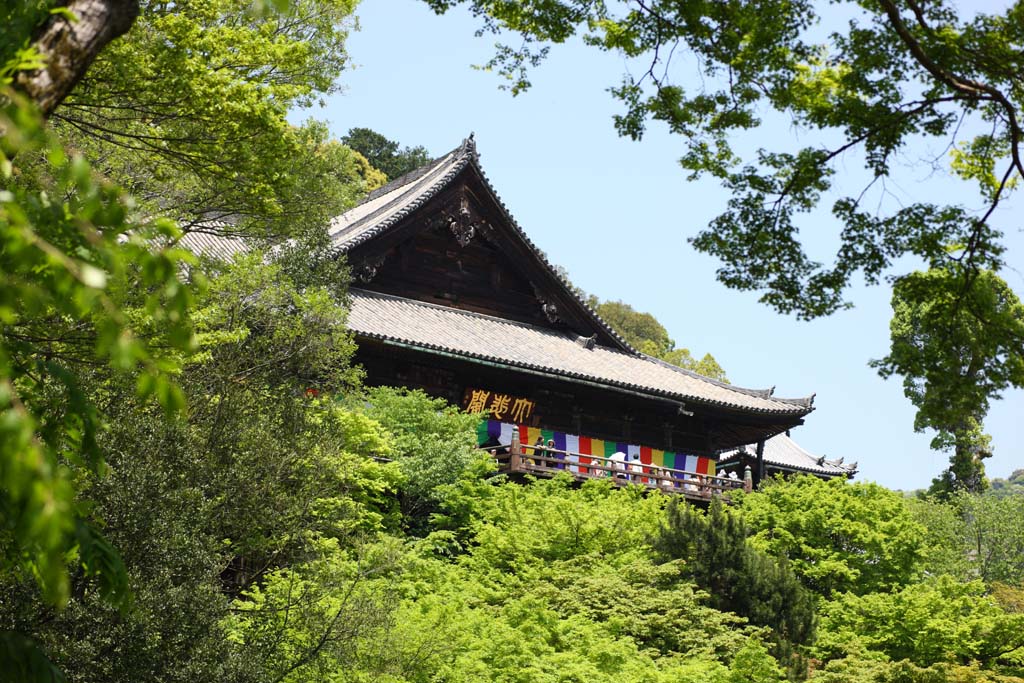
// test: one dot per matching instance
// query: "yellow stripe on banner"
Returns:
(532, 434)
(711, 467)
(597, 450)
(657, 457)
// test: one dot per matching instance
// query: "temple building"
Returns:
(449, 295)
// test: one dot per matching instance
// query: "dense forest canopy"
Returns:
(176, 507)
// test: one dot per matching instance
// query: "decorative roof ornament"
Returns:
(367, 270)
(549, 310)
(462, 221)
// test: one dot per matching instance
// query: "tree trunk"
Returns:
(70, 47)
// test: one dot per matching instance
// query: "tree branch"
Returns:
(69, 47)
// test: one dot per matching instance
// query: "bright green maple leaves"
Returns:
(71, 245)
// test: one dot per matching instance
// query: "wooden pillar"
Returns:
(515, 457)
(748, 479)
(759, 470)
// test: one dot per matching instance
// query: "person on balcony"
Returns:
(618, 465)
(538, 450)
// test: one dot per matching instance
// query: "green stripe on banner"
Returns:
(670, 460)
(548, 435)
(481, 433)
(610, 448)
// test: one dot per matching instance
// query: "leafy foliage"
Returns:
(738, 577)
(384, 154)
(647, 335)
(71, 246)
(941, 620)
(975, 537)
(188, 112)
(433, 442)
(838, 536)
(896, 74)
(958, 342)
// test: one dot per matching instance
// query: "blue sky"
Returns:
(616, 214)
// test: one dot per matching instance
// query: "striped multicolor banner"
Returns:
(493, 430)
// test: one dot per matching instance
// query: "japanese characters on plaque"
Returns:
(500, 406)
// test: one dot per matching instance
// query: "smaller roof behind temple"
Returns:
(783, 454)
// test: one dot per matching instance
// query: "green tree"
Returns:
(941, 620)
(1011, 486)
(958, 341)
(738, 577)
(838, 536)
(975, 536)
(90, 279)
(384, 154)
(256, 480)
(211, 147)
(647, 335)
(434, 445)
(70, 247)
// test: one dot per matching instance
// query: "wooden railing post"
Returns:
(748, 479)
(515, 458)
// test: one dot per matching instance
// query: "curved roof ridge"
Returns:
(349, 235)
(782, 451)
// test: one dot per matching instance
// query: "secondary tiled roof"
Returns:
(216, 246)
(783, 453)
(469, 335)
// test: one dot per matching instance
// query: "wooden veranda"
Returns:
(545, 461)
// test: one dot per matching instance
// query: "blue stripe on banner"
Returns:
(494, 429)
(559, 438)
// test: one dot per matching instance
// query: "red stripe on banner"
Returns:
(524, 435)
(585, 450)
(702, 465)
(645, 455)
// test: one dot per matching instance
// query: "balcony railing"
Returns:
(547, 462)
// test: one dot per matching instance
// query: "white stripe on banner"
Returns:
(572, 444)
(691, 463)
(505, 439)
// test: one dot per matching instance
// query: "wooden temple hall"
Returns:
(449, 295)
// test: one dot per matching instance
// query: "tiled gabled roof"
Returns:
(386, 206)
(473, 336)
(782, 452)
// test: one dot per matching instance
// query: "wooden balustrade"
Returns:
(547, 461)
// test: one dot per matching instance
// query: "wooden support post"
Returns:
(748, 479)
(515, 458)
(759, 474)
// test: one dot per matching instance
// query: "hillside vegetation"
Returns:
(268, 535)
